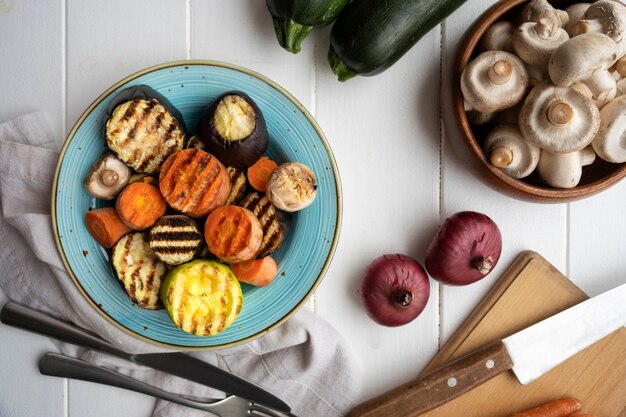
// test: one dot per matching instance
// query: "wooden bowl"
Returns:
(595, 178)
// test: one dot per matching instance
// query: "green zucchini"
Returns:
(371, 35)
(295, 19)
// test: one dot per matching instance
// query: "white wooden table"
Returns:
(399, 154)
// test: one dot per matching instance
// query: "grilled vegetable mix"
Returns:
(174, 200)
(367, 37)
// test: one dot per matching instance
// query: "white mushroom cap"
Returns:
(585, 58)
(534, 42)
(558, 119)
(292, 186)
(564, 170)
(575, 13)
(480, 118)
(610, 141)
(498, 37)
(506, 149)
(493, 81)
(537, 9)
(604, 16)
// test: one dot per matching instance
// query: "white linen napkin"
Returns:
(304, 361)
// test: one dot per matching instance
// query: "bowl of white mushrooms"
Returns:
(541, 99)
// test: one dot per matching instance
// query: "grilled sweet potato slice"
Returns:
(194, 182)
(233, 234)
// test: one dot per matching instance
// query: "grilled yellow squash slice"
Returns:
(202, 297)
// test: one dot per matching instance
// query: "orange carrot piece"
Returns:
(557, 408)
(139, 205)
(259, 173)
(582, 415)
(257, 272)
(105, 226)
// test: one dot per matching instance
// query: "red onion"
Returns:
(465, 249)
(394, 289)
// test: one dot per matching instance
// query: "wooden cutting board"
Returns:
(529, 291)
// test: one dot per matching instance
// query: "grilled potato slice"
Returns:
(202, 297)
(267, 214)
(175, 239)
(139, 271)
(194, 182)
(143, 133)
(238, 185)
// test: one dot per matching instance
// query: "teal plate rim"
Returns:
(271, 84)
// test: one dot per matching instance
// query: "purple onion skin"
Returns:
(464, 241)
(394, 290)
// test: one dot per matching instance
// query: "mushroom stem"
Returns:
(587, 156)
(587, 25)
(545, 28)
(601, 84)
(109, 177)
(500, 72)
(559, 112)
(501, 156)
(620, 66)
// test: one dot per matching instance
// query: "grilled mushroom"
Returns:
(107, 177)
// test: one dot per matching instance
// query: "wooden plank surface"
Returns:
(529, 291)
(401, 163)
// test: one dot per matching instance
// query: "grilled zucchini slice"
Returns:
(175, 239)
(143, 133)
(268, 215)
(139, 271)
(202, 297)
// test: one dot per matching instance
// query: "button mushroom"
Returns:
(584, 90)
(291, 186)
(534, 42)
(537, 9)
(558, 119)
(575, 13)
(107, 177)
(564, 170)
(498, 37)
(480, 118)
(607, 17)
(585, 58)
(610, 141)
(506, 148)
(493, 81)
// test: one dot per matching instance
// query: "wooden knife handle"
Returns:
(440, 386)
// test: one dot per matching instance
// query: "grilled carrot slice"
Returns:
(139, 205)
(233, 234)
(556, 408)
(194, 182)
(257, 272)
(259, 173)
(105, 226)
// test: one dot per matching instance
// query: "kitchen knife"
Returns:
(175, 363)
(529, 353)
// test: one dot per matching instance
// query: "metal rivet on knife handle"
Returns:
(432, 390)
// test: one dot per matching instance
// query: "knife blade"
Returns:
(528, 353)
(174, 363)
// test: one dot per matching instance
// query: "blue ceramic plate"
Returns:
(303, 257)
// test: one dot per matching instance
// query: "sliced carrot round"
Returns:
(259, 173)
(258, 272)
(139, 205)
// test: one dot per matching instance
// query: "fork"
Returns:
(55, 364)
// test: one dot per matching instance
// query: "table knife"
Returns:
(174, 363)
(529, 353)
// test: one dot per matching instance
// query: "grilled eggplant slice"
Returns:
(268, 215)
(238, 185)
(194, 142)
(194, 182)
(233, 129)
(175, 239)
(202, 297)
(139, 271)
(143, 133)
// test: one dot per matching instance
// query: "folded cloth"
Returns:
(304, 361)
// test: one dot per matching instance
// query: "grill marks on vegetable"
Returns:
(175, 239)
(263, 209)
(143, 134)
(139, 271)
